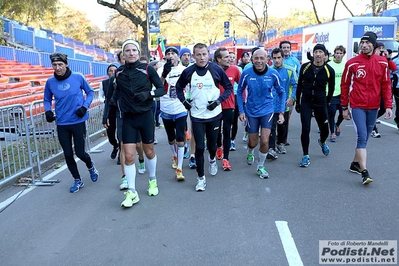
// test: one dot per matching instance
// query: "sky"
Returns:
(98, 14)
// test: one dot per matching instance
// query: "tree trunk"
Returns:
(335, 7)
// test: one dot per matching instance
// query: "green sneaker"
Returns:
(250, 158)
(261, 171)
(130, 199)
(142, 168)
(152, 188)
(124, 184)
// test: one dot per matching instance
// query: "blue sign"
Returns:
(382, 31)
(153, 18)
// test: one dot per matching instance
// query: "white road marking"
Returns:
(5, 203)
(290, 249)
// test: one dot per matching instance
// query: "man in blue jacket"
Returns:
(260, 81)
(71, 109)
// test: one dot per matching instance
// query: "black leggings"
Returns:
(200, 129)
(227, 119)
(78, 132)
(320, 114)
(111, 131)
(282, 129)
(175, 129)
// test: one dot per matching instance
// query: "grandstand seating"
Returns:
(22, 83)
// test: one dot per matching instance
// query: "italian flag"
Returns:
(161, 50)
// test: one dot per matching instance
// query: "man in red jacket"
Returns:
(368, 77)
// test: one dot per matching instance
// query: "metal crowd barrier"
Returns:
(29, 144)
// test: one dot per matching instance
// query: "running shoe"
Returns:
(186, 152)
(179, 175)
(213, 167)
(271, 154)
(226, 165)
(130, 199)
(174, 162)
(93, 172)
(114, 153)
(281, 148)
(337, 131)
(305, 161)
(375, 134)
(152, 188)
(201, 184)
(219, 153)
(366, 177)
(355, 168)
(78, 184)
(124, 184)
(245, 137)
(324, 148)
(142, 168)
(192, 163)
(333, 137)
(261, 171)
(250, 158)
(232, 146)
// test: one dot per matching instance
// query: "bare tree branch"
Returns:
(342, 1)
(335, 7)
(315, 12)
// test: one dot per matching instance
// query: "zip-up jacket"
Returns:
(364, 79)
(133, 78)
(260, 86)
(312, 84)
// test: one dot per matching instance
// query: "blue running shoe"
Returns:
(186, 153)
(93, 172)
(305, 161)
(324, 148)
(337, 131)
(192, 163)
(76, 186)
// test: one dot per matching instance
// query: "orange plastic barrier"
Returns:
(12, 72)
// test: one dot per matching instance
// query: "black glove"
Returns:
(50, 116)
(141, 96)
(81, 112)
(187, 104)
(167, 68)
(298, 108)
(212, 105)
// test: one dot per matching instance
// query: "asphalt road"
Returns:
(239, 220)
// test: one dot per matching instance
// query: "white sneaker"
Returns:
(245, 137)
(124, 184)
(213, 167)
(201, 184)
(142, 168)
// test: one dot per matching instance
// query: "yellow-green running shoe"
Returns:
(130, 199)
(152, 188)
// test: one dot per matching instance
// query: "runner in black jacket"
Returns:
(311, 95)
(134, 82)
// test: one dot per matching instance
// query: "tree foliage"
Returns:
(28, 11)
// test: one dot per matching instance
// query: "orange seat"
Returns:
(13, 93)
(5, 86)
(24, 100)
